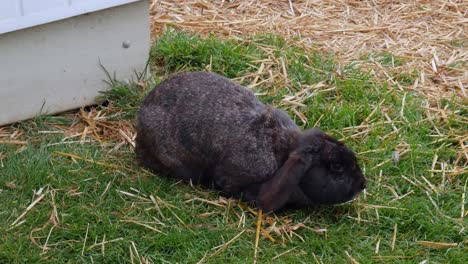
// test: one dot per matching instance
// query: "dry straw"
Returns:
(430, 36)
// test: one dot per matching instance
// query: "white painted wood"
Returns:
(20, 14)
(55, 67)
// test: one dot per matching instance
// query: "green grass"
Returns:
(93, 204)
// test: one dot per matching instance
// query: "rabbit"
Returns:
(203, 128)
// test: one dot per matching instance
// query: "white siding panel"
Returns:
(57, 66)
(35, 6)
(8, 9)
(19, 14)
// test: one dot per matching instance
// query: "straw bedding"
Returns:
(429, 36)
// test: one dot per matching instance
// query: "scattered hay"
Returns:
(46, 193)
(257, 233)
(95, 125)
(418, 45)
(436, 245)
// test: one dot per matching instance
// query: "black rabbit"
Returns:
(202, 127)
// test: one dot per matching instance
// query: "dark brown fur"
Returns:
(201, 127)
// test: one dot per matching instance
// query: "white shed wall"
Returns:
(55, 67)
(20, 14)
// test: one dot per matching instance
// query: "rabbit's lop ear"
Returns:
(275, 193)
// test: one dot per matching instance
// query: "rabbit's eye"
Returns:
(336, 167)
